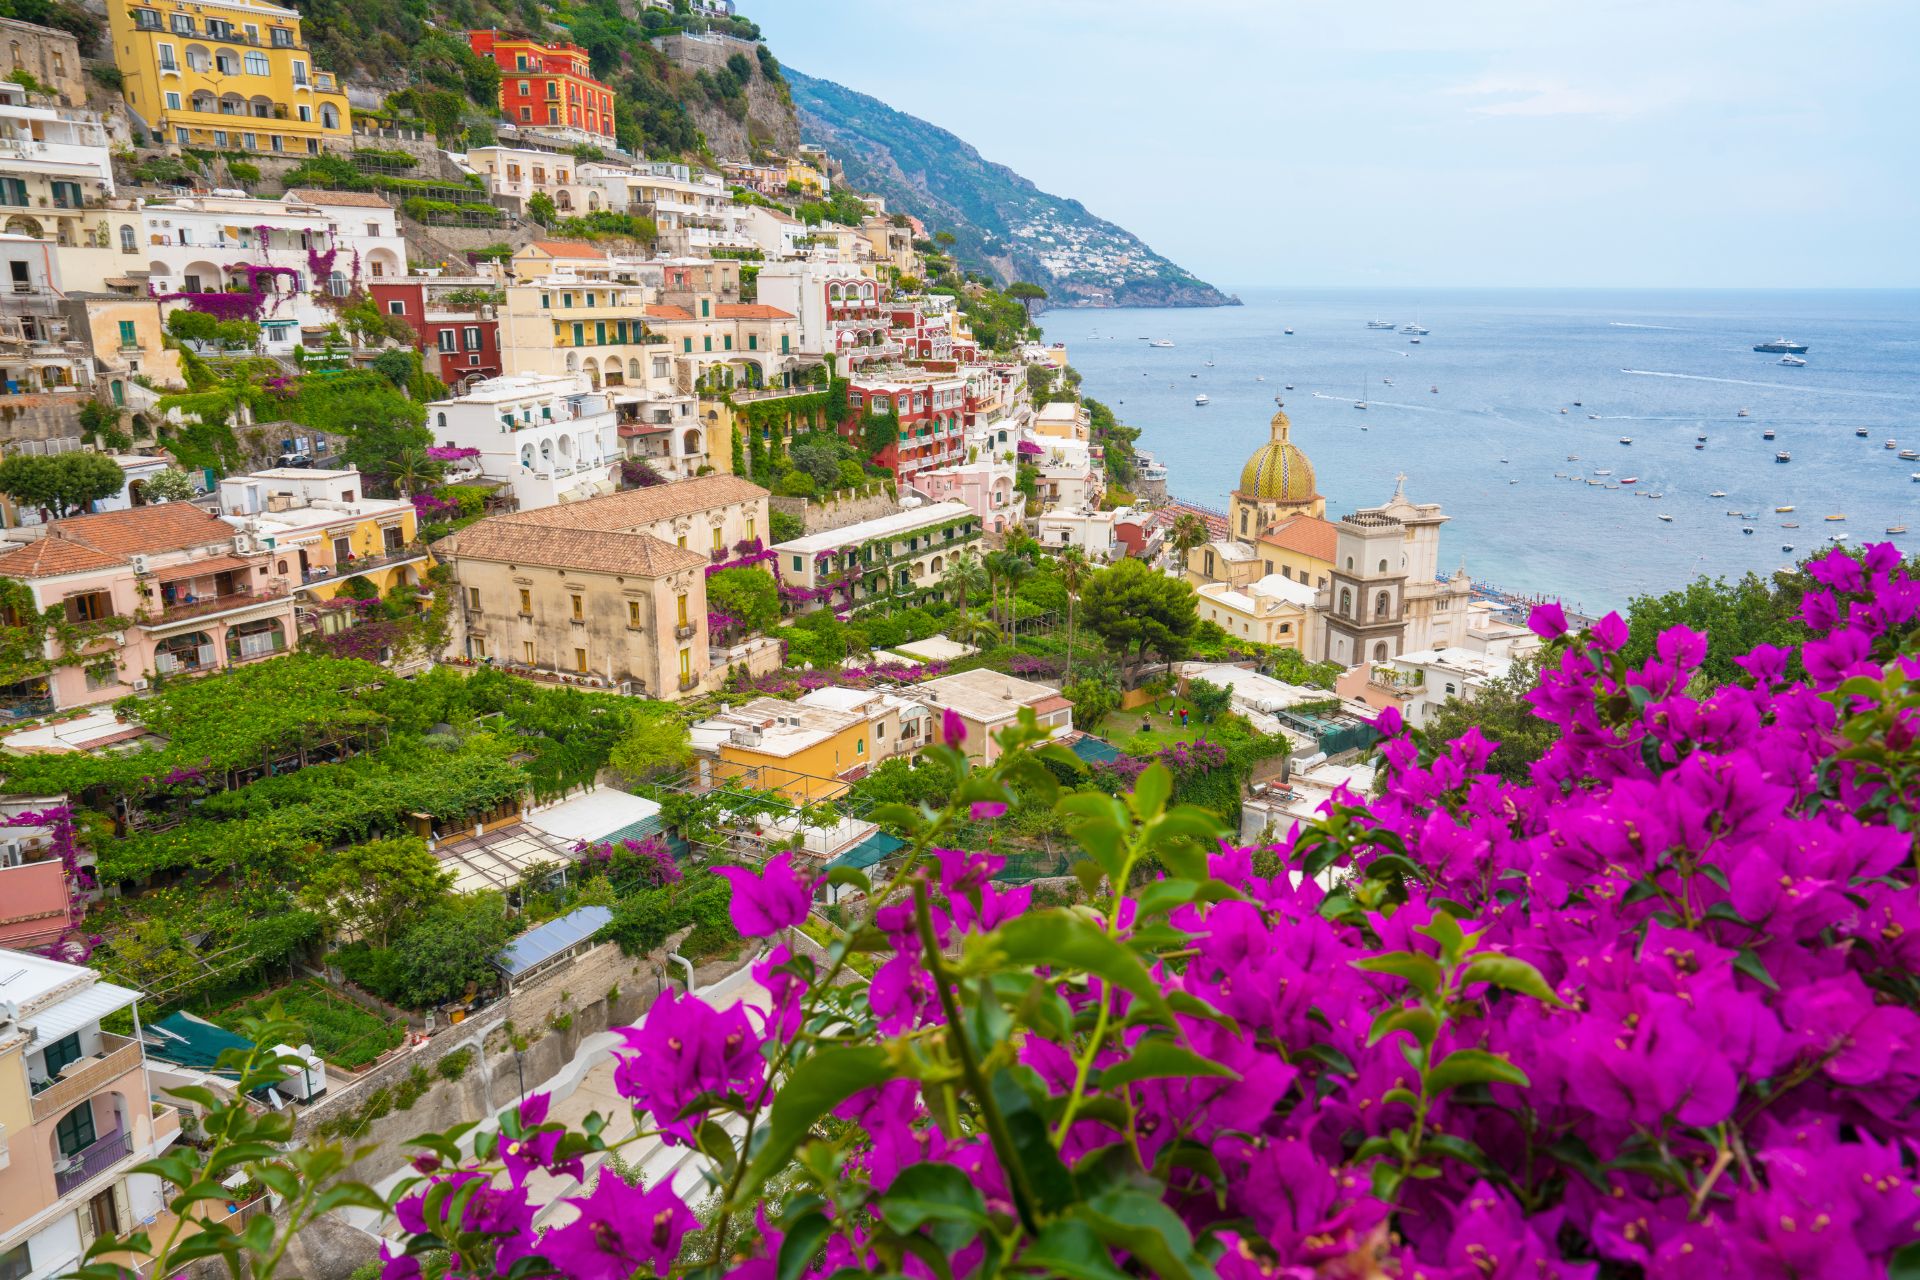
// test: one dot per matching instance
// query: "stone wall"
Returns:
(818, 517)
(770, 126)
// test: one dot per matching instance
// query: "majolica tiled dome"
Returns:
(1279, 472)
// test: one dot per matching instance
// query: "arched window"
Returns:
(1383, 566)
(1449, 690)
(443, 421)
(1209, 564)
(1349, 562)
(1382, 605)
(126, 239)
(1346, 602)
(329, 116)
(1380, 652)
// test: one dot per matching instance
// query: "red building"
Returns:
(927, 413)
(452, 326)
(546, 86)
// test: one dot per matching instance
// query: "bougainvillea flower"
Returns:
(764, 903)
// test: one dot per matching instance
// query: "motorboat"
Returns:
(1767, 434)
(1209, 364)
(1577, 404)
(1289, 386)
(1909, 455)
(1896, 528)
(1415, 328)
(1783, 456)
(1260, 377)
(1388, 381)
(1699, 446)
(1193, 375)
(1667, 518)
(1789, 524)
(1563, 411)
(1626, 439)
(1160, 342)
(1603, 471)
(1412, 341)
(1782, 510)
(1747, 529)
(1786, 546)
(1631, 480)
(1288, 332)
(1434, 389)
(1793, 362)
(1836, 537)
(1916, 477)
(1381, 324)
(1831, 519)
(1702, 439)
(1744, 413)
(1861, 432)
(1594, 417)
(1718, 493)
(1785, 346)
(1201, 399)
(1573, 457)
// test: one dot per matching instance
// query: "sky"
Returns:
(1408, 143)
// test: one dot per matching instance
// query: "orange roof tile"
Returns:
(173, 526)
(51, 557)
(1308, 535)
(637, 507)
(750, 311)
(661, 311)
(567, 249)
(313, 195)
(1046, 706)
(592, 550)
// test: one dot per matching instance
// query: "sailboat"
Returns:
(1361, 403)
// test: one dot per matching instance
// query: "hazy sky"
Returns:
(1408, 142)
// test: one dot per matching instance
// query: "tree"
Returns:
(1735, 616)
(1189, 531)
(654, 741)
(1137, 612)
(1501, 711)
(1026, 295)
(169, 484)
(1093, 701)
(411, 470)
(748, 593)
(63, 484)
(373, 889)
(964, 575)
(820, 461)
(1208, 698)
(451, 948)
(541, 209)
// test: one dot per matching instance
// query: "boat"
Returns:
(1289, 386)
(1909, 455)
(1201, 399)
(1388, 381)
(1789, 524)
(1577, 404)
(1785, 346)
(1767, 434)
(1434, 389)
(1783, 456)
(1700, 438)
(1793, 362)
(1563, 411)
(1831, 519)
(1782, 510)
(1631, 480)
(1626, 439)
(1664, 516)
(1786, 546)
(1209, 364)
(1573, 457)
(1260, 377)
(1718, 493)
(1861, 432)
(1380, 324)
(1896, 528)
(1361, 403)
(1699, 446)
(1916, 477)
(1744, 413)
(1288, 332)
(1414, 341)
(1160, 342)
(1747, 529)
(1603, 471)
(1836, 537)
(1892, 444)
(1415, 327)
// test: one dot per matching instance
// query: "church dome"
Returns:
(1278, 472)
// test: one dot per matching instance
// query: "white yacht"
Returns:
(1160, 342)
(1380, 324)
(1792, 362)
(1201, 399)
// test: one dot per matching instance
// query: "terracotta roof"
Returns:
(173, 526)
(50, 557)
(1216, 523)
(1309, 535)
(638, 507)
(199, 568)
(313, 195)
(628, 430)
(750, 311)
(593, 550)
(1047, 706)
(661, 311)
(567, 249)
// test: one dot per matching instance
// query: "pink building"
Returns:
(985, 485)
(152, 591)
(36, 898)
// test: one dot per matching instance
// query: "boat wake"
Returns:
(1624, 324)
(1777, 386)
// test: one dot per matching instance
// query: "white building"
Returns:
(775, 231)
(1091, 531)
(897, 554)
(85, 1115)
(54, 164)
(1385, 596)
(694, 212)
(1274, 610)
(839, 307)
(521, 173)
(1069, 479)
(550, 438)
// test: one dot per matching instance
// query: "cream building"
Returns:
(1272, 610)
(900, 554)
(1384, 596)
(988, 701)
(550, 439)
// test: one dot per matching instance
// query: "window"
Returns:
(257, 65)
(128, 338)
(525, 90)
(396, 307)
(146, 20)
(859, 746)
(61, 1052)
(526, 602)
(726, 340)
(526, 651)
(579, 608)
(753, 342)
(299, 73)
(752, 525)
(473, 597)
(181, 24)
(706, 310)
(686, 666)
(75, 1130)
(681, 605)
(473, 337)
(306, 114)
(479, 647)
(1346, 602)
(14, 1263)
(173, 100)
(282, 38)
(708, 340)
(1382, 605)
(580, 660)
(1449, 690)
(251, 141)
(448, 341)
(226, 63)
(633, 613)
(682, 541)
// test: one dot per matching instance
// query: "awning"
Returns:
(188, 1041)
(867, 852)
(555, 937)
(200, 568)
(1094, 750)
(79, 1010)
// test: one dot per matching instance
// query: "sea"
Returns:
(1515, 399)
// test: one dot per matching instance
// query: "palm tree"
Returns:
(411, 470)
(993, 564)
(964, 575)
(1189, 531)
(1012, 571)
(1073, 568)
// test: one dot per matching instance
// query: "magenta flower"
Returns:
(1610, 633)
(1548, 621)
(982, 810)
(621, 1230)
(777, 898)
(953, 730)
(685, 1053)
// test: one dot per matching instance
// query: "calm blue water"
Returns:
(1506, 362)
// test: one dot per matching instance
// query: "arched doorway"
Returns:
(191, 651)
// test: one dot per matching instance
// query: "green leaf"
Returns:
(1420, 1021)
(823, 1080)
(1151, 791)
(1423, 972)
(853, 877)
(1473, 1066)
(1183, 837)
(1164, 895)
(1510, 973)
(1149, 1230)
(1337, 1062)
(1445, 931)
(905, 817)
(803, 1241)
(1047, 1175)
(1070, 1249)
(930, 1192)
(1157, 1058)
(1905, 1263)
(1064, 940)
(1747, 961)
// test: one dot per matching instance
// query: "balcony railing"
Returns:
(91, 1161)
(363, 564)
(79, 1082)
(685, 631)
(214, 604)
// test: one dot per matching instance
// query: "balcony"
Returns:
(86, 1077)
(91, 1161)
(685, 631)
(404, 554)
(688, 682)
(207, 606)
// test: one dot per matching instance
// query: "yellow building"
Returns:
(806, 753)
(1276, 482)
(811, 180)
(231, 74)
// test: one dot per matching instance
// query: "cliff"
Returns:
(1002, 223)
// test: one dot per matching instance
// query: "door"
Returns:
(75, 1133)
(103, 1215)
